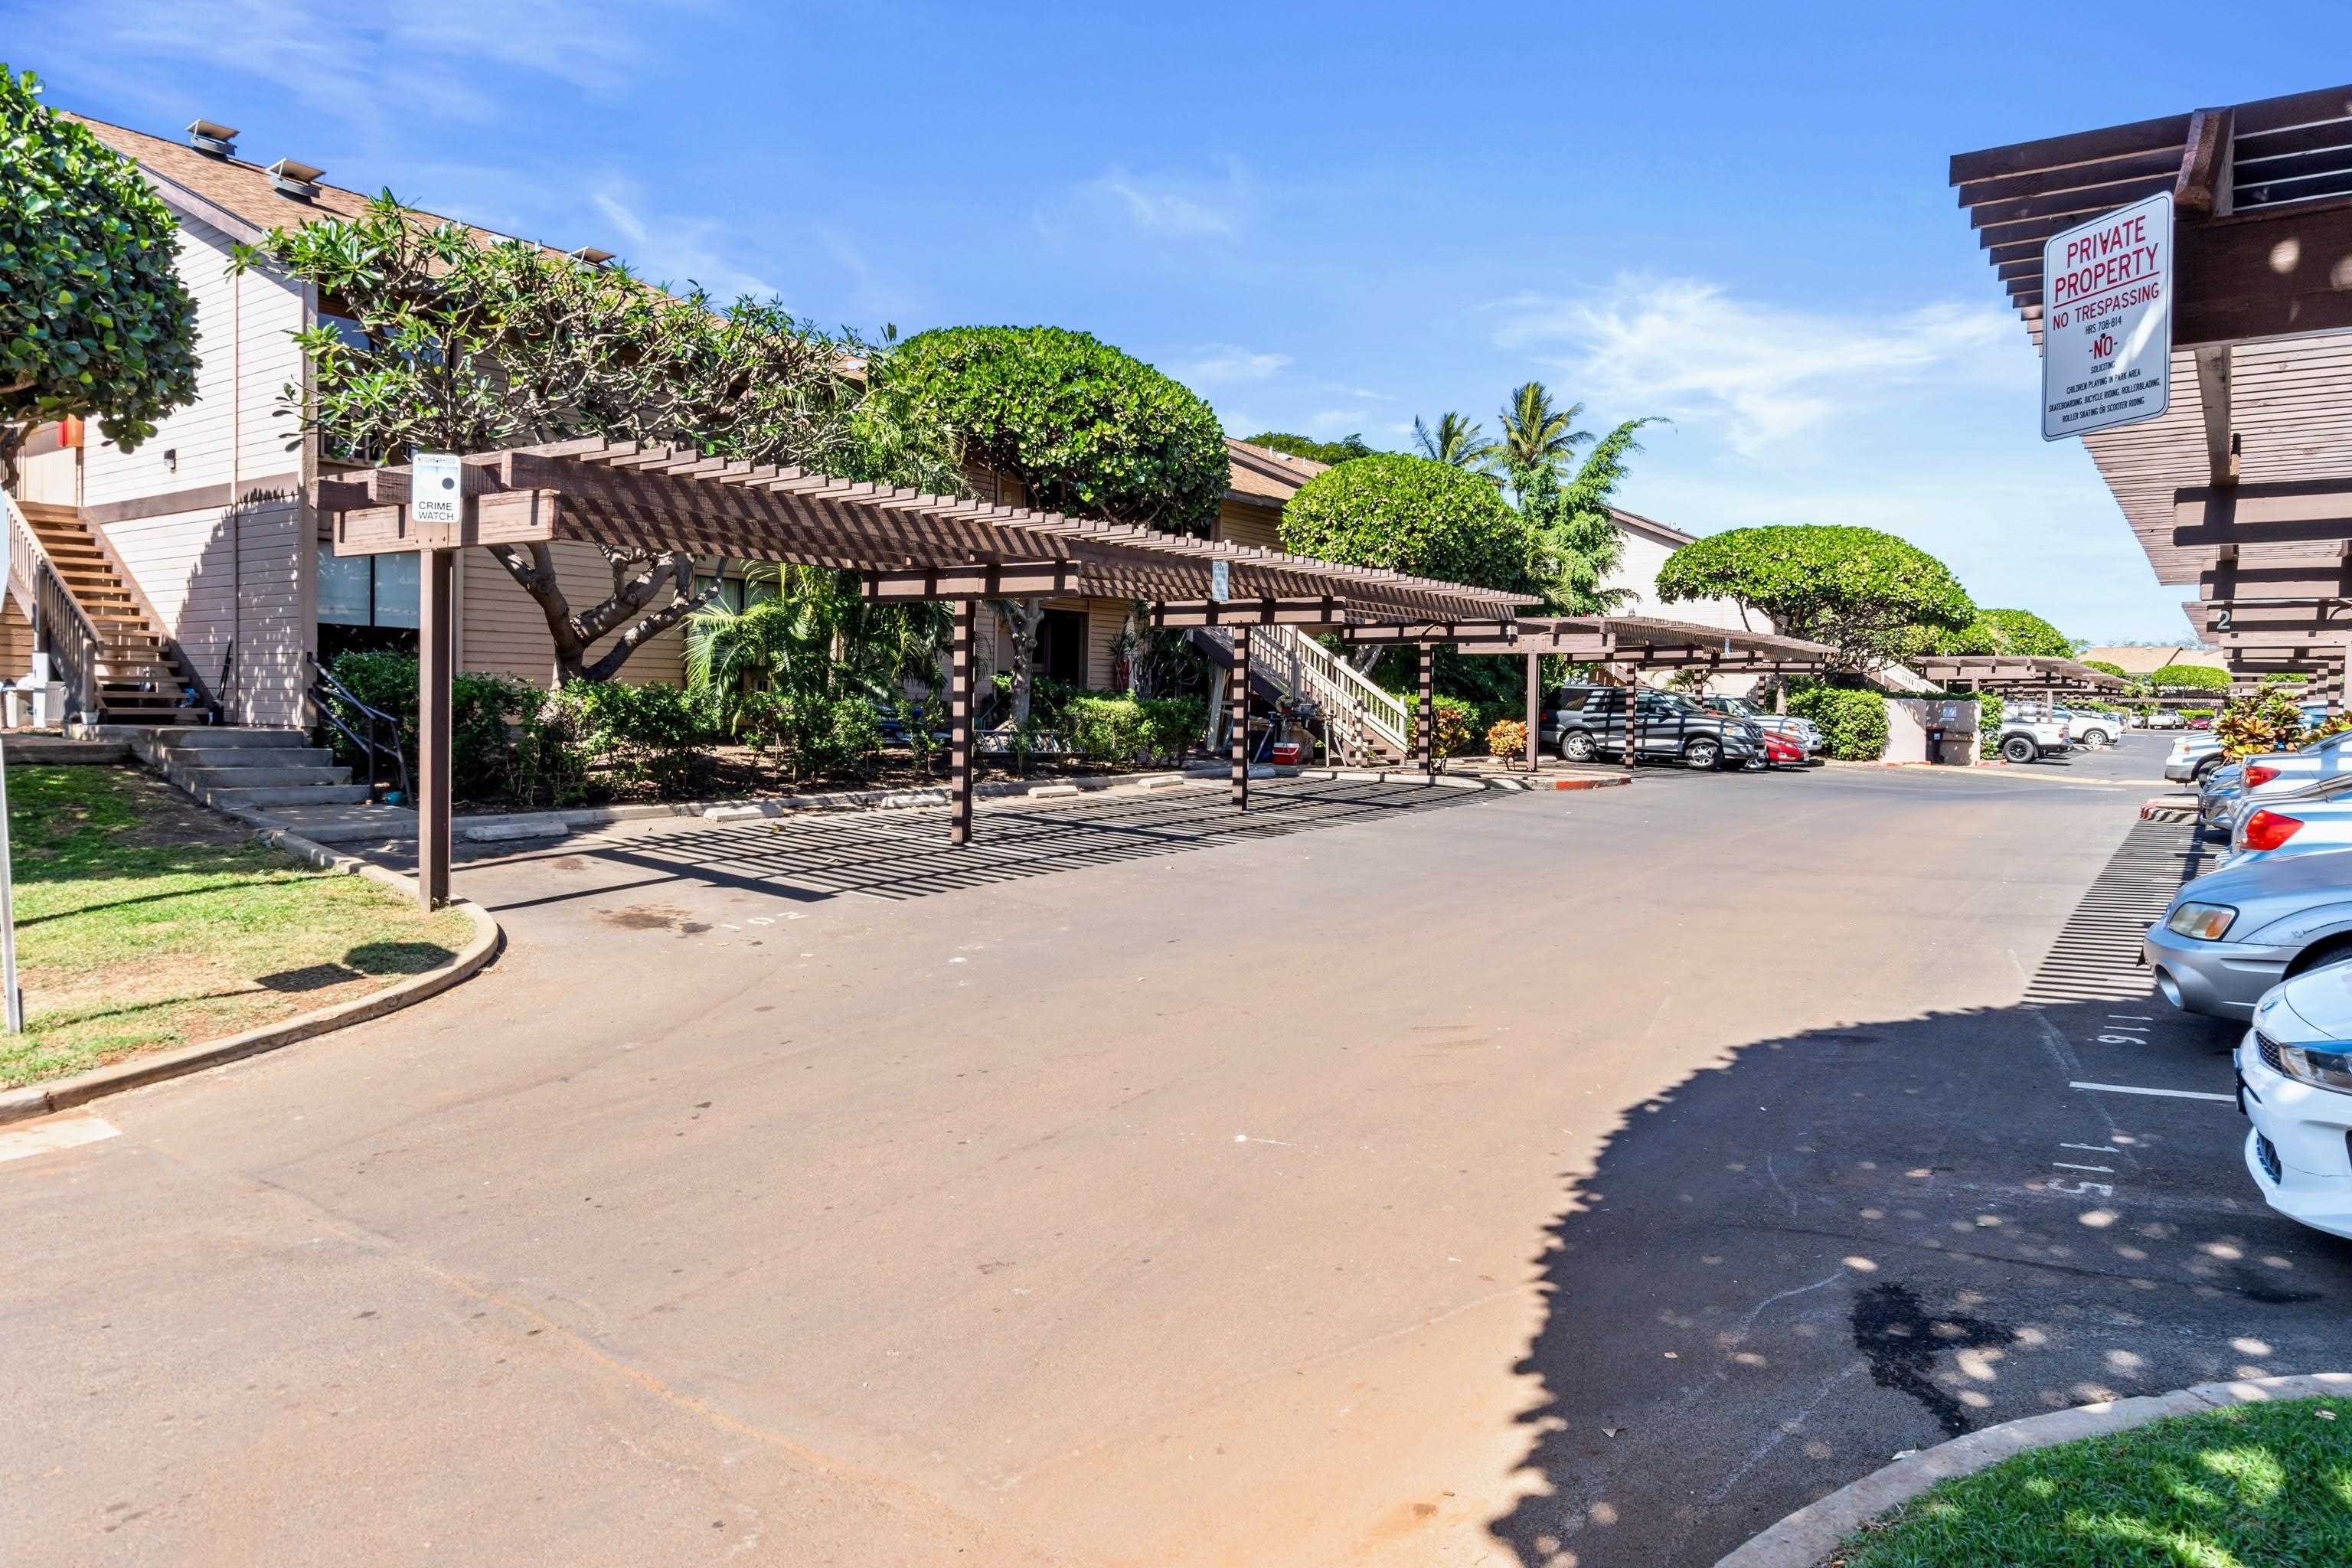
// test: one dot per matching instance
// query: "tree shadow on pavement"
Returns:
(1852, 1242)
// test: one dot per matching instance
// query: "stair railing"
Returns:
(60, 629)
(381, 738)
(1334, 684)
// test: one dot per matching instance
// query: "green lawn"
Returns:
(144, 921)
(2256, 1486)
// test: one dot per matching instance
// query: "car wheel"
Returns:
(1576, 746)
(1702, 755)
(2020, 748)
(2197, 774)
(2098, 738)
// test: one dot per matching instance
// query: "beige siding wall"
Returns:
(501, 631)
(1639, 572)
(233, 585)
(15, 640)
(52, 477)
(232, 432)
(1247, 524)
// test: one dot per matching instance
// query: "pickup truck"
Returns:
(2193, 755)
(2030, 735)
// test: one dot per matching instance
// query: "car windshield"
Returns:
(1673, 701)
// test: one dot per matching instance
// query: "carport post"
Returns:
(960, 726)
(1535, 708)
(1428, 687)
(1237, 715)
(436, 642)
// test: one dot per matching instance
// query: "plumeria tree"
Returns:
(434, 337)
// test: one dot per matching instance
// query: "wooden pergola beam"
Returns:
(1181, 613)
(1009, 580)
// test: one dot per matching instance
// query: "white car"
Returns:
(2087, 728)
(2165, 719)
(2294, 1084)
(2193, 755)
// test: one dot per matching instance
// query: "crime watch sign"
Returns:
(2107, 317)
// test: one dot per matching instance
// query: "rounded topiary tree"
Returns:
(94, 321)
(2024, 632)
(1085, 428)
(2105, 668)
(1409, 514)
(1868, 595)
(2190, 677)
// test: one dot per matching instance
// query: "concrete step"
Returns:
(286, 795)
(196, 781)
(226, 735)
(198, 751)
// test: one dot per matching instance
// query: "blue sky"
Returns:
(1325, 217)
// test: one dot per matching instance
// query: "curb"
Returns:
(1807, 1537)
(42, 1098)
(2170, 808)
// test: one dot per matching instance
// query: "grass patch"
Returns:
(144, 921)
(2254, 1485)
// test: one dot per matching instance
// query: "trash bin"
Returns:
(1952, 733)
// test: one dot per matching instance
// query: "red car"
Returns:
(1780, 752)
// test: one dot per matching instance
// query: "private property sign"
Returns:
(2106, 341)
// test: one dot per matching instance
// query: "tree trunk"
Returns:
(640, 578)
(1022, 618)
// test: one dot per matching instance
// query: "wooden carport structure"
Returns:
(2021, 675)
(1627, 643)
(906, 545)
(2243, 487)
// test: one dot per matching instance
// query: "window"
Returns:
(1062, 646)
(367, 590)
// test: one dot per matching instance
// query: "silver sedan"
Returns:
(2231, 935)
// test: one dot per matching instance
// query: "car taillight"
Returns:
(2269, 829)
(2258, 774)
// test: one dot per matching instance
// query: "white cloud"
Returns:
(1757, 374)
(1223, 364)
(1164, 207)
(367, 64)
(1161, 207)
(670, 247)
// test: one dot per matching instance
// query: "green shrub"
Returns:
(1990, 708)
(1853, 722)
(1410, 514)
(489, 716)
(649, 734)
(818, 735)
(1124, 729)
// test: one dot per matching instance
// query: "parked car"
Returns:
(2305, 822)
(2192, 757)
(1783, 751)
(2089, 727)
(2294, 1084)
(1584, 722)
(2229, 935)
(2165, 719)
(2029, 734)
(2223, 792)
(1795, 726)
(2199, 720)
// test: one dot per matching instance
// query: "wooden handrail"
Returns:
(61, 627)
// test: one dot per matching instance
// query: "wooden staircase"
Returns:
(137, 676)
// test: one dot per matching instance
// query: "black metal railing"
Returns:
(380, 739)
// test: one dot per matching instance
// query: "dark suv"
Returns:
(1583, 722)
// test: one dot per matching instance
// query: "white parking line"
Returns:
(2167, 1094)
(2066, 1165)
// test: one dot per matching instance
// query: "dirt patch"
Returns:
(651, 916)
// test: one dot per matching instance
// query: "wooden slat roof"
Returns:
(627, 494)
(1994, 670)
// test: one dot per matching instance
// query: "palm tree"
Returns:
(1456, 442)
(1536, 437)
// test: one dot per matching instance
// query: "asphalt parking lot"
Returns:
(1393, 1175)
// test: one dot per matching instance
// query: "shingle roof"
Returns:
(1264, 475)
(2143, 660)
(243, 190)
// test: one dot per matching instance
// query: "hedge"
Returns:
(1852, 723)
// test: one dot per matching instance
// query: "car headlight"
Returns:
(2311, 1065)
(2205, 922)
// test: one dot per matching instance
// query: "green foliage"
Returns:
(1125, 729)
(2267, 720)
(1457, 442)
(1992, 708)
(1862, 592)
(818, 733)
(94, 321)
(2023, 632)
(649, 734)
(2104, 668)
(1346, 450)
(1409, 514)
(450, 343)
(1086, 430)
(2190, 677)
(485, 758)
(1452, 725)
(1576, 543)
(2286, 678)
(1853, 722)
(1537, 440)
